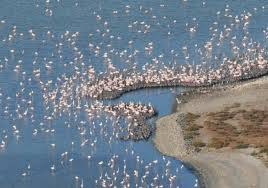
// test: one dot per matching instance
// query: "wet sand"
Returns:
(225, 167)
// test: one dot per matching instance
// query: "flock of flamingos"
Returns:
(85, 88)
(113, 83)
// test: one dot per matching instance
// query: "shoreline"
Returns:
(113, 94)
(213, 167)
(113, 84)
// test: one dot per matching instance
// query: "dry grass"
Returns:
(217, 143)
(190, 117)
(242, 146)
(191, 129)
(264, 150)
(199, 143)
(232, 127)
(250, 125)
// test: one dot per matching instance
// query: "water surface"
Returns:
(121, 32)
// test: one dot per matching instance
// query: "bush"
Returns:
(199, 143)
(216, 143)
(190, 117)
(210, 114)
(188, 136)
(192, 128)
(254, 153)
(242, 146)
(236, 105)
(264, 150)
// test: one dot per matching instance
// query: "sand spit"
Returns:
(228, 166)
(116, 84)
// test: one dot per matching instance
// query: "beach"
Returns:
(238, 162)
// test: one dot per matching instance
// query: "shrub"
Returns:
(199, 143)
(236, 105)
(190, 117)
(188, 136)
(242, 146)
(210, 114)
(192, 128)
(254, 153)
(216, 143)
(264, 150)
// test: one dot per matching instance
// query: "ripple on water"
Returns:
(80, 149)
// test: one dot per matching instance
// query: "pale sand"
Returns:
(218, 169)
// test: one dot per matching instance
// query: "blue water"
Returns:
(168, 32)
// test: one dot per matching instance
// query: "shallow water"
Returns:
(26, 148)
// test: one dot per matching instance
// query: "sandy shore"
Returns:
(226, 167)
